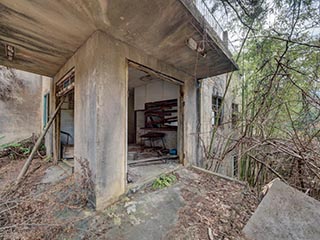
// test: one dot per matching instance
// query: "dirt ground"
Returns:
(33, 210)
(214, 208)
(196, 206)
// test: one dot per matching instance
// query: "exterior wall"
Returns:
(47, 88)
(225, 132)
(20, 104)
(101, 71)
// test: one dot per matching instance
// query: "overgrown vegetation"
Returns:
(279, 125)
(164, 181)
(17, 150)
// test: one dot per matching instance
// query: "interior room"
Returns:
(65, 119)
(153, 112)
(67, 127)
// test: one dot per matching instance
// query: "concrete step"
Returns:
(66, 166)
(68, 151)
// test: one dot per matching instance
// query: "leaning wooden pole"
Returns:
(37, 144)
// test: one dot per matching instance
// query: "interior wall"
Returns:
(154, 91)
(101, 73)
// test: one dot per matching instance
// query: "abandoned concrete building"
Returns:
(133, 78)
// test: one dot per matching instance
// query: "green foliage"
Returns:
(10, 145)
(42, 147)
(16, 150)
(279, 62)
(164, 181)
(25, 150)
(18, 146)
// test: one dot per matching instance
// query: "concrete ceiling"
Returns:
(138, 78)
(47, 33)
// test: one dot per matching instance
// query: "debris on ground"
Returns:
(37, 210)
(215, 208)
(196, 205)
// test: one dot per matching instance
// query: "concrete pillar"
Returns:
(190, 122)
(100, 116)
(111, 121)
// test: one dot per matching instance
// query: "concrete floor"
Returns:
(184, 210)
(145, 215)
(148, 216)
(56, 173)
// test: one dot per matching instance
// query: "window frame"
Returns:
(235, 166)
(216, 106)
(234, 114)
(46, 109)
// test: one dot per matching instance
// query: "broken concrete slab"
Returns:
(285, 213)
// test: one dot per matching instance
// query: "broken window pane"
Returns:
(216, 108)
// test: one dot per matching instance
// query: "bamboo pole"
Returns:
(37, 144)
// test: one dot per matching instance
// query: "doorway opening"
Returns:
(65, 134)
(153, 123)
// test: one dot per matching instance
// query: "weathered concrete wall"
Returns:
(216, 86)
(20, 104)
(101, 110)
(190, 121)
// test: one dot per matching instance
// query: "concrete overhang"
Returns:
(45, 34)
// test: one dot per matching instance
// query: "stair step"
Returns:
(66, 166)
(69, 163)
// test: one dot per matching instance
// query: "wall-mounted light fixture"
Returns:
(192, 44)
(9, 51)
(198, 47)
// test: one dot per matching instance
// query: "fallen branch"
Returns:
(37, 144)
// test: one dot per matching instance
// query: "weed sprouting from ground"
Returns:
(164, 181)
